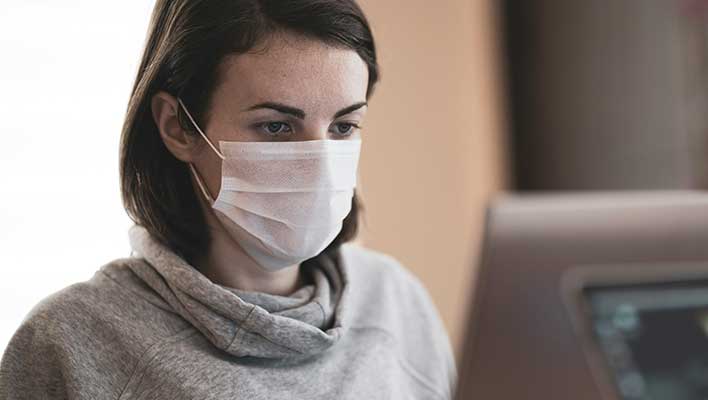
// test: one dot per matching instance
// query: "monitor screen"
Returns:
(654, 338)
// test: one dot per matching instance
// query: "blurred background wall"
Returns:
(434, 141)
(608, 95)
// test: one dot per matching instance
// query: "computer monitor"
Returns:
(590, 296)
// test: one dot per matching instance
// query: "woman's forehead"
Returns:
(297, 71)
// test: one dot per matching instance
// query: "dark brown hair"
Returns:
(187, 41)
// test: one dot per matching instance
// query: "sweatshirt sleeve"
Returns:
(31, 366)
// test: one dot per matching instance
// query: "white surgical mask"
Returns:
(283, 202)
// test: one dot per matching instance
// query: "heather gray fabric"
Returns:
(152, 327)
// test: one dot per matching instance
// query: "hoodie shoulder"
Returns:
(61, 341)
(377, 275)
(384, 273)
(389, 297)
(109, 299)
(369, 262)
(92, 331)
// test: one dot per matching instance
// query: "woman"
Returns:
(238, 165)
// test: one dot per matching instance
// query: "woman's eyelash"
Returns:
(352, 126)
(268, 126)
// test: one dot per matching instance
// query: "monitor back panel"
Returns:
(521, 343)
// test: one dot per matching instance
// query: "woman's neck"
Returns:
(227, 264)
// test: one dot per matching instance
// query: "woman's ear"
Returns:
(178, 141)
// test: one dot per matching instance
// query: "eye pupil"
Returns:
(274, 127)
(347, 128)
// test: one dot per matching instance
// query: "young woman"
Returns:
(238, 165)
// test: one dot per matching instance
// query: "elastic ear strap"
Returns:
(201, 185)
(218, 153)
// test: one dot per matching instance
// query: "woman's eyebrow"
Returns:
(351, 108)
(298, 113)
(280, 108)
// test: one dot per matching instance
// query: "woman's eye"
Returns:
(345, 128)
(276, 128)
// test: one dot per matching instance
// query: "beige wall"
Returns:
(433, 143)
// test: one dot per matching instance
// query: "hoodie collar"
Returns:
(244, 323)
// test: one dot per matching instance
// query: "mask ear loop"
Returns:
(218, 153)
(201, 185)
(197, 177)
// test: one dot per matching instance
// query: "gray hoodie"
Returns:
(151, 326)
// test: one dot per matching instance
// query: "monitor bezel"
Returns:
(577, 279)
